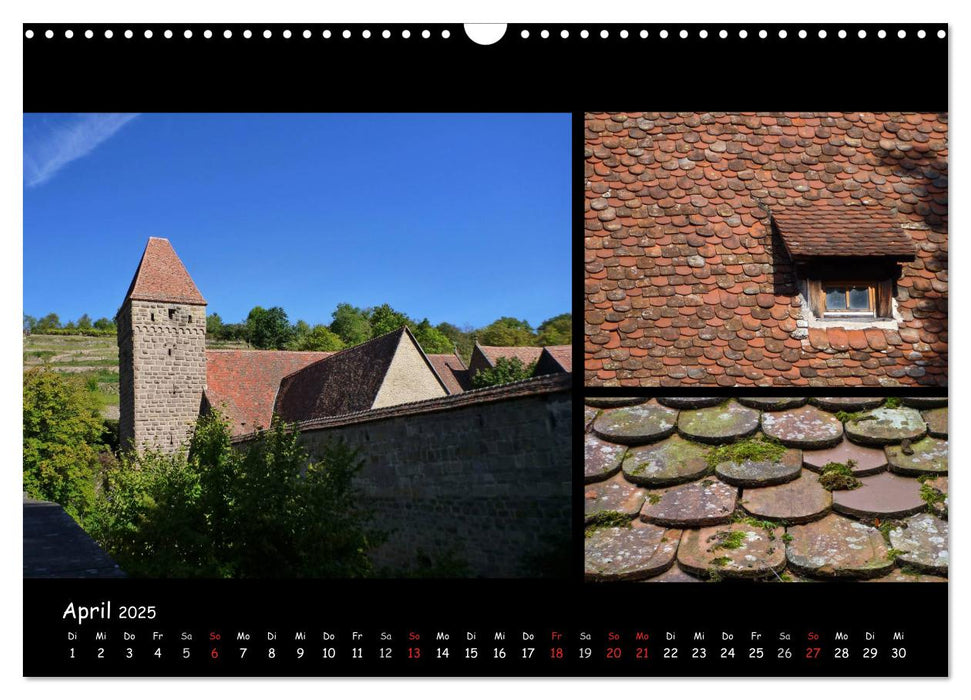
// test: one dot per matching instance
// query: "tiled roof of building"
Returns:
(841, 229)
(555, 358)
(345, 382)
(452, 371)
(161, 276)
(525, 354)
(243, 383)
(662, 505)
(686, 282)
(55, 546)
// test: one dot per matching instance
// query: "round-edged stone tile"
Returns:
(636, 425)
(673, 575)
(863, 461)
(926, 456)
(885, 495)
(613, 401)
(754, 473)
(589, 415)
(772, 403)
(936, 419)
(800, 501)
(629, 553)
(924, 401)
(850, 404)
(672, 461)
(837, 547)
(807, 427)
(685, 402)
(615, 495)
(601, 459)
(718, 424)
(923, 544)
(700, 503)
(736, 550)
(909, 576)
(934, 493)
(886, 426)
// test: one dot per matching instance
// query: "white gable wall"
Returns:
(409, 378)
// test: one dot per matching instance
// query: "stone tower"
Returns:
(161, 352)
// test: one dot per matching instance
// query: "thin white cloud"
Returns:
(57, 145)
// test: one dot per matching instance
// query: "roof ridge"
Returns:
(344, 350)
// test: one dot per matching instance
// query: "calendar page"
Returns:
(302, 305)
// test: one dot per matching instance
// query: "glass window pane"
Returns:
(835, 298)
(860, 298)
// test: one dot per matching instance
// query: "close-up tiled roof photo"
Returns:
(768, 489)
(781, 249)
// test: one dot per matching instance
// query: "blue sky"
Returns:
(460, 218)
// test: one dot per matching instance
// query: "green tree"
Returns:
(507, 369)
(268, 328)
(62, 431)
(48, 323)
(319, 338)
(556, 331)
(30, 323)
(214, 510)
(431, 339)
(507, 331)
(301, 329)
(84, 322)
(351, 324)
(214, 325)
(105, 324)
(384, 319)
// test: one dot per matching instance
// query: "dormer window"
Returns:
(846, 258)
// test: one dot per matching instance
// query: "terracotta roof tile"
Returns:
(816, 534)
(689, 282)
(825, 229)
(452, 371)
(243, 383)
(555, 358)
(161, 276)
(526, 355)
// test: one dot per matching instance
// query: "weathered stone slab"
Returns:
(722, 423)
(924, 401)
(601, 459)
(909, 576)
(772, 403)
(589, 414)
(848, 403)
(836, 547)
(934, 493)
(614, 495)
(866, 460)
(752, 473)
(885, 495)
(732, 551)
(629, 553)
(700, 503)
(886, 426)
(936, 419)
(613, 401)
(691, 401)
(799, 501)
(636, 425)
(927, 456)
(923, 543)
(672, 461)
(807, 427)
(673, 575)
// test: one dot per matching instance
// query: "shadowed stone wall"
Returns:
(482, 477)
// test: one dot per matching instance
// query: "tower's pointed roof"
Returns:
(161, 276)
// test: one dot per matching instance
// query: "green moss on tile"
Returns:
(757, 448)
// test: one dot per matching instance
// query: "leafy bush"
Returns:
(62, 431)
(217, 511)
(507, 369)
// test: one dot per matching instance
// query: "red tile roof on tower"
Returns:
(841, 229)
(687, 284)
(243, 384)
(161, 276)
(452, 371)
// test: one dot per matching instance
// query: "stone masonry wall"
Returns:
(162, 356)
(487, 484)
